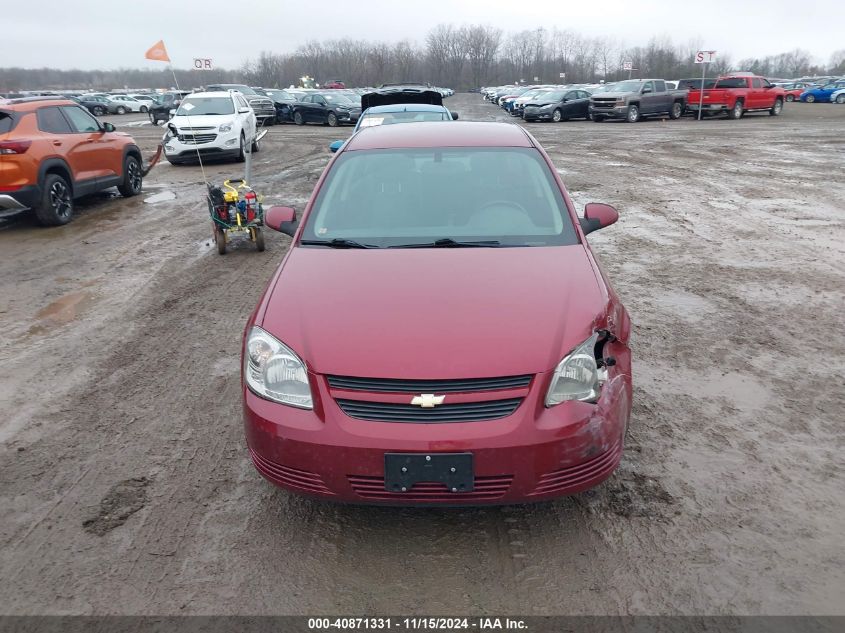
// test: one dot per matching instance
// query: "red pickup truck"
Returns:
(737, 94)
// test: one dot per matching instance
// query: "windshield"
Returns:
(550, 96)
(337, 98)
(195, 106)
(628, 86)
(389, 118)
(280, 95)
(390, 198)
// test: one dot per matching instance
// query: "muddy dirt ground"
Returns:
(125, 486)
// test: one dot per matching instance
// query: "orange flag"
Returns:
(158, 53)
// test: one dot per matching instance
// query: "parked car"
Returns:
(121, 104)
(334, 84)
(165, 103)
(518, 104)
(737, 94)
(558, 105)
(145, 99)
(265, 111)
(634, 99)
(838, 96)
(398, 106)
(95, 104)
(283, 100)
(53, 151)
(211, 125)
(821, 94)
(792, 91)
(473, 398)
(327, 108)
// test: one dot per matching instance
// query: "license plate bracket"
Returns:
(403, 470)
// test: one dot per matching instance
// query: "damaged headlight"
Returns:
(273, 371)
(226, 127)
(577, 376)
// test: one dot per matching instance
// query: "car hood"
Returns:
(183, 122)
(613, 95)
(433, 313)
(391, 97)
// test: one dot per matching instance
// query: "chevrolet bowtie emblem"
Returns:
(427, 400)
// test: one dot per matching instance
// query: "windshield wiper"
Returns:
(337, 242)
(448, 242)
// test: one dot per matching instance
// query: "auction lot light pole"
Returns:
(703, 58)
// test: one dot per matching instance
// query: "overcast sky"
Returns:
(91, 34)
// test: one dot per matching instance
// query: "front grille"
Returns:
(459, 385)
(485, 489)
(460, 412)
(566, 479)
(197, 128)
(197, 139)
(603, 103)
(291, 477)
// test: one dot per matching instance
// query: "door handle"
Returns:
(57, 143)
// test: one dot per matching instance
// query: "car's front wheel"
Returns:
(98, 111)
(143, 109)
(557, 116)
(56, 204)
(241, 155)
(633, 114)
(298, 118)
(810, 98)
(840, 98)
(790, 97)
(331, 119)
(120, 110)
(777, 108)
(132, 178)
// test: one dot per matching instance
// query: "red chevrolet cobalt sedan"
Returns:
(440, 331)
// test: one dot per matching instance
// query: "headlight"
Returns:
(576, 377)
(275, 372)
(226, 127)
(620, 102)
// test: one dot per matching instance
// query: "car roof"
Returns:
(27, 104)
(406, 107)
(432, 134)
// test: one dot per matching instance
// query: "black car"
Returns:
(558, 105)
(96, 105)
(328, 108)
(283, 100)
(160, 109)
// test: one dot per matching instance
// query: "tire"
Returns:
(56, 204)
(220, 241)
(790, 97)
(153, 118)
(810, 98)
(736, 112)
(557, 116)
(298, 119)
(597, 118)
(241, 156)
(331, 119)
(133, 181)
(98, 111)
(120, 110)
(677, 111)
(633, 114)
(256, 147)
(777, 108)
(258, 238)
(144, 109)
(840, 98)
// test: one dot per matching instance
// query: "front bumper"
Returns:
(537, 115)
(616, 112)
(224, 145)
(533, 454)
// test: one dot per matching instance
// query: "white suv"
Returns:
(215, 124)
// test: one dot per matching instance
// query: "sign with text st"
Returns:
(705, 57)
(202, 63)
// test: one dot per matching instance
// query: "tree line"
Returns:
(458, 57)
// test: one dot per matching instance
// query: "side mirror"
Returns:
(172, 111)
(108, 127)
(454, 116)
(243, 111)
(334, 146)
(646, 91)
(597, 216)
(282, 219)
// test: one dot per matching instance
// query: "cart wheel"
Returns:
(220, 239)
(258, 237)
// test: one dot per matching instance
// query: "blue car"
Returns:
(399, 106)
(821, 95)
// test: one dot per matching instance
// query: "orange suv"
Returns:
(53, 151)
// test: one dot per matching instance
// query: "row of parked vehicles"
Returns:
(635, 99)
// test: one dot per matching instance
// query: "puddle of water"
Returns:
(160, 197)
(63, 310)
